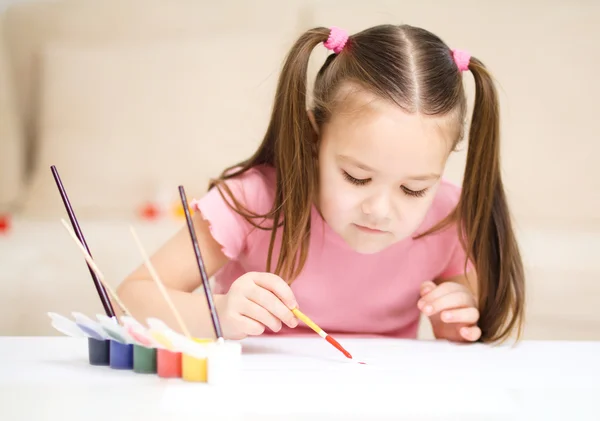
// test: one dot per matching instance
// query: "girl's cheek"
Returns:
(344, 200)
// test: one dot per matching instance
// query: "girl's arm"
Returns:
(176, 264)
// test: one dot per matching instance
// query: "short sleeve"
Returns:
(227, 226)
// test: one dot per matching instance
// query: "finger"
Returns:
(273, 305)
(277, 286)
(442, 289)
(449, 301)
(260, 314)
(472, 333)
(468, 315)
(437, 292)
(427, 287)
(250, 326)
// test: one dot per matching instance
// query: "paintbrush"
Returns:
(108, 309)
(96, 270)
(320, 332)
(201, 267)
(160, 285)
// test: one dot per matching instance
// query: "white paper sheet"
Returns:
(301, 375)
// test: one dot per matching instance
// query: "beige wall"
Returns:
(78, 70)
(542, 53)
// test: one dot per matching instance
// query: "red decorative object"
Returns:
(150, 211)
(4, 224)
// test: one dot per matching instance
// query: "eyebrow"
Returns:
(358, 164)
(424, 177)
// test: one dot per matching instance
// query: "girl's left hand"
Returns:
(452, 310)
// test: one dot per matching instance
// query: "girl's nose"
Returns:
(377, 206)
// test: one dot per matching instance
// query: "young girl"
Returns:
(343, 212)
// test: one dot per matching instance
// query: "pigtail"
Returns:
(294, 140)
(483, 216)
(289, 146)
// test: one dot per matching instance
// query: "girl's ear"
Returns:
(313, 122)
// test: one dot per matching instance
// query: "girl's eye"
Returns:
(362, 182)
(356, 181)
(414, 193)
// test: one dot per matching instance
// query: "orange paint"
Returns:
(338, 346)
(168, 364)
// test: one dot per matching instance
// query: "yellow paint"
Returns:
(307, 321)
(194, 369)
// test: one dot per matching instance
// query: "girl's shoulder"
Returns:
(448, 195)
(255, 188)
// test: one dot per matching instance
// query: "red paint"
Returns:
(360, 362)
(168, 364)
(4, 223)
(338, 346)
(140, 338)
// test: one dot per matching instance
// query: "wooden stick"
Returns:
(95, 268)
(160, 285)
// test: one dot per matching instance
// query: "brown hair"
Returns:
(413, 69)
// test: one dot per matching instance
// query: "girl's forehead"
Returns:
(378, 130)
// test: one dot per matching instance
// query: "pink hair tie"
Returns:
(337, 40)
(461, 58)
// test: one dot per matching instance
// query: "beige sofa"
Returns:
(131, 98)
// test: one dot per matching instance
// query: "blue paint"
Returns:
(98, 351)
(121, 356)
(90, 332)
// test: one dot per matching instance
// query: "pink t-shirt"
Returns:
(339, 289)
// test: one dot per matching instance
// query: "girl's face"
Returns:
(379, 170)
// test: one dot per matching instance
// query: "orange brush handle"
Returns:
(320, 331)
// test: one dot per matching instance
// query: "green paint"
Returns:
(114, 334)
(144, 359)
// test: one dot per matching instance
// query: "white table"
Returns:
(296, 378)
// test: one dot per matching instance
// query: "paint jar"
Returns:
(193, 368)
(224, 363)
(98, 351)
(144, 359)
(121, 355)
(168, 363)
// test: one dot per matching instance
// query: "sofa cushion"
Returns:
(122, 120)
(31, 25)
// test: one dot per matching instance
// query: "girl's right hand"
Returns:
(256, 300)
